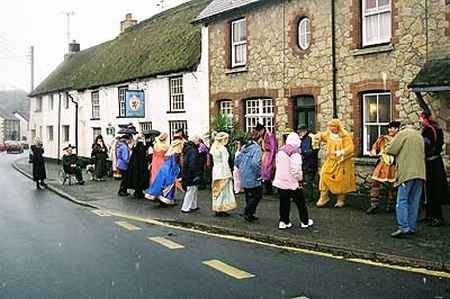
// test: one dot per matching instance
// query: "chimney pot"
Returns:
(128, 22)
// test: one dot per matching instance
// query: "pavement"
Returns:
(52, 248)
(347, 232)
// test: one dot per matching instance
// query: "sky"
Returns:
(43, 24)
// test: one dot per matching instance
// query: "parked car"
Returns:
(13, 147)
(2, 147)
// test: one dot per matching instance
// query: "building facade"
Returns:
(282, 64)
(164, 59)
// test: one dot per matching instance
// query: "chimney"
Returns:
(74, 47)
(128, 22)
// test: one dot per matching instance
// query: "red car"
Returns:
(13, 147)
(2, 147)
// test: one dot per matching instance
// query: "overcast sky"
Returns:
(42, 23)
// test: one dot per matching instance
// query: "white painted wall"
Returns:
(24, 130)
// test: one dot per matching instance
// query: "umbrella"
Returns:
(152, 133)
(131, 130)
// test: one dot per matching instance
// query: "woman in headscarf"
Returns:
(223, 199)
(166, 181)
(338, 171)
(39, 173)
(436, 190)
(159, 150)
(99, 154)
(137, 174)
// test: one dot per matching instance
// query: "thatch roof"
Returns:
(163, 44)
(434, 76)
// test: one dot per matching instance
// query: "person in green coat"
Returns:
(409, 151)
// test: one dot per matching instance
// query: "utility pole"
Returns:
(68, 15)
(31, 68)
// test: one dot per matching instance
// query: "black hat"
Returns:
(302, 128)
(259, 127)
(394, 124)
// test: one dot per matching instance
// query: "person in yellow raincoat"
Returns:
(338, 171)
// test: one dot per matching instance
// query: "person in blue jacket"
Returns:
(248, 161)
(123, 157)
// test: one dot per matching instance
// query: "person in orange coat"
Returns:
(338, 171)
(384, 172)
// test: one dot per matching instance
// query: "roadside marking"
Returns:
(165, 242)
(292, 249)
(101, 213)
(227, 269)
(301, 297)
(127, 225)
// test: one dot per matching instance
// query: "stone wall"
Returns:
(276, 67)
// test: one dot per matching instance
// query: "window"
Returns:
(305, 112)
(40, 132)
(176, 125)
(238, 43)
(66, 101)
(38, 107)
(122, 101)
(146, 126)
(259, 111)
(66, 133)
(33, 135)
(226, 110)
(95, 133)
(376, 22)
(51, 102)
(377, 114)
(50, 133)
(176, 94)
(304, 33)
(95, 101)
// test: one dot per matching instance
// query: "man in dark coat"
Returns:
(192, 170)
(436, 191)
(39, 174)
(310, 164)
(72, 164)
(137, 173)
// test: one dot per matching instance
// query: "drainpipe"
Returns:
(333, 55)
(76, 121)
(59, 129)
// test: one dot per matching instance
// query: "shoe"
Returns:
(310, 223)
(185, 212)
(323, 200)
(38, 187)
(253, 217)
(390, 209)
(436, 222)
(371, 210)
(123, 193)
(195, 210)
(340, 201)
(81, 183)
(246, 217)
(283, 225)
(399, 234)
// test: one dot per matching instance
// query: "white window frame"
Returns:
(145, 126)
(365, 125)
(304, 33)
(226, 110)
(377, 11)
(51, 102)
(50, 133)
(175, 125)
(259, 110)
(95, 132)
(66, 134)
(236, 44)
(121, 95)
(176, 94)
(95, 102)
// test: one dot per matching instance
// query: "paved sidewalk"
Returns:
(347, 232)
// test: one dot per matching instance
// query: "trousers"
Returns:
(285, 204)
(407, 208)
(252, 198)
(190, 199)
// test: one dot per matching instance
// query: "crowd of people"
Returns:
(409, 164)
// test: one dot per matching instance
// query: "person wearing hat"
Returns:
(122, 160)
(137, 172)
(384, 172)
(223, 199)
(159, 150)
(72, 164)
(338, 171)
(310, 157)
(436, 191)
(409, 151)
(39, 173)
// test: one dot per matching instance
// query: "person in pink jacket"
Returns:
(288, 180)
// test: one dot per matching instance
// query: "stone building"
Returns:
(286, 63)
(154, 74)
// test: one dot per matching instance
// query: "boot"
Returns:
(323, 200)
(38, 186)
(340, 203)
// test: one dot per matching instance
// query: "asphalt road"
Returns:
(52, 248)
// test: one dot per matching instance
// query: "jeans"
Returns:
(407, 208)
(252, 198)
(123, 184)
(285, 204)
(190, 199)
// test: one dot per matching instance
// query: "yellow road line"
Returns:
(165, 242)
(227, 269)
(293, 249)
(101, 213)
(301, 297)
(127, 225)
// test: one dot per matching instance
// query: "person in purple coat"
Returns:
(269, 147)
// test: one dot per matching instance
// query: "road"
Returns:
(52, 248)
